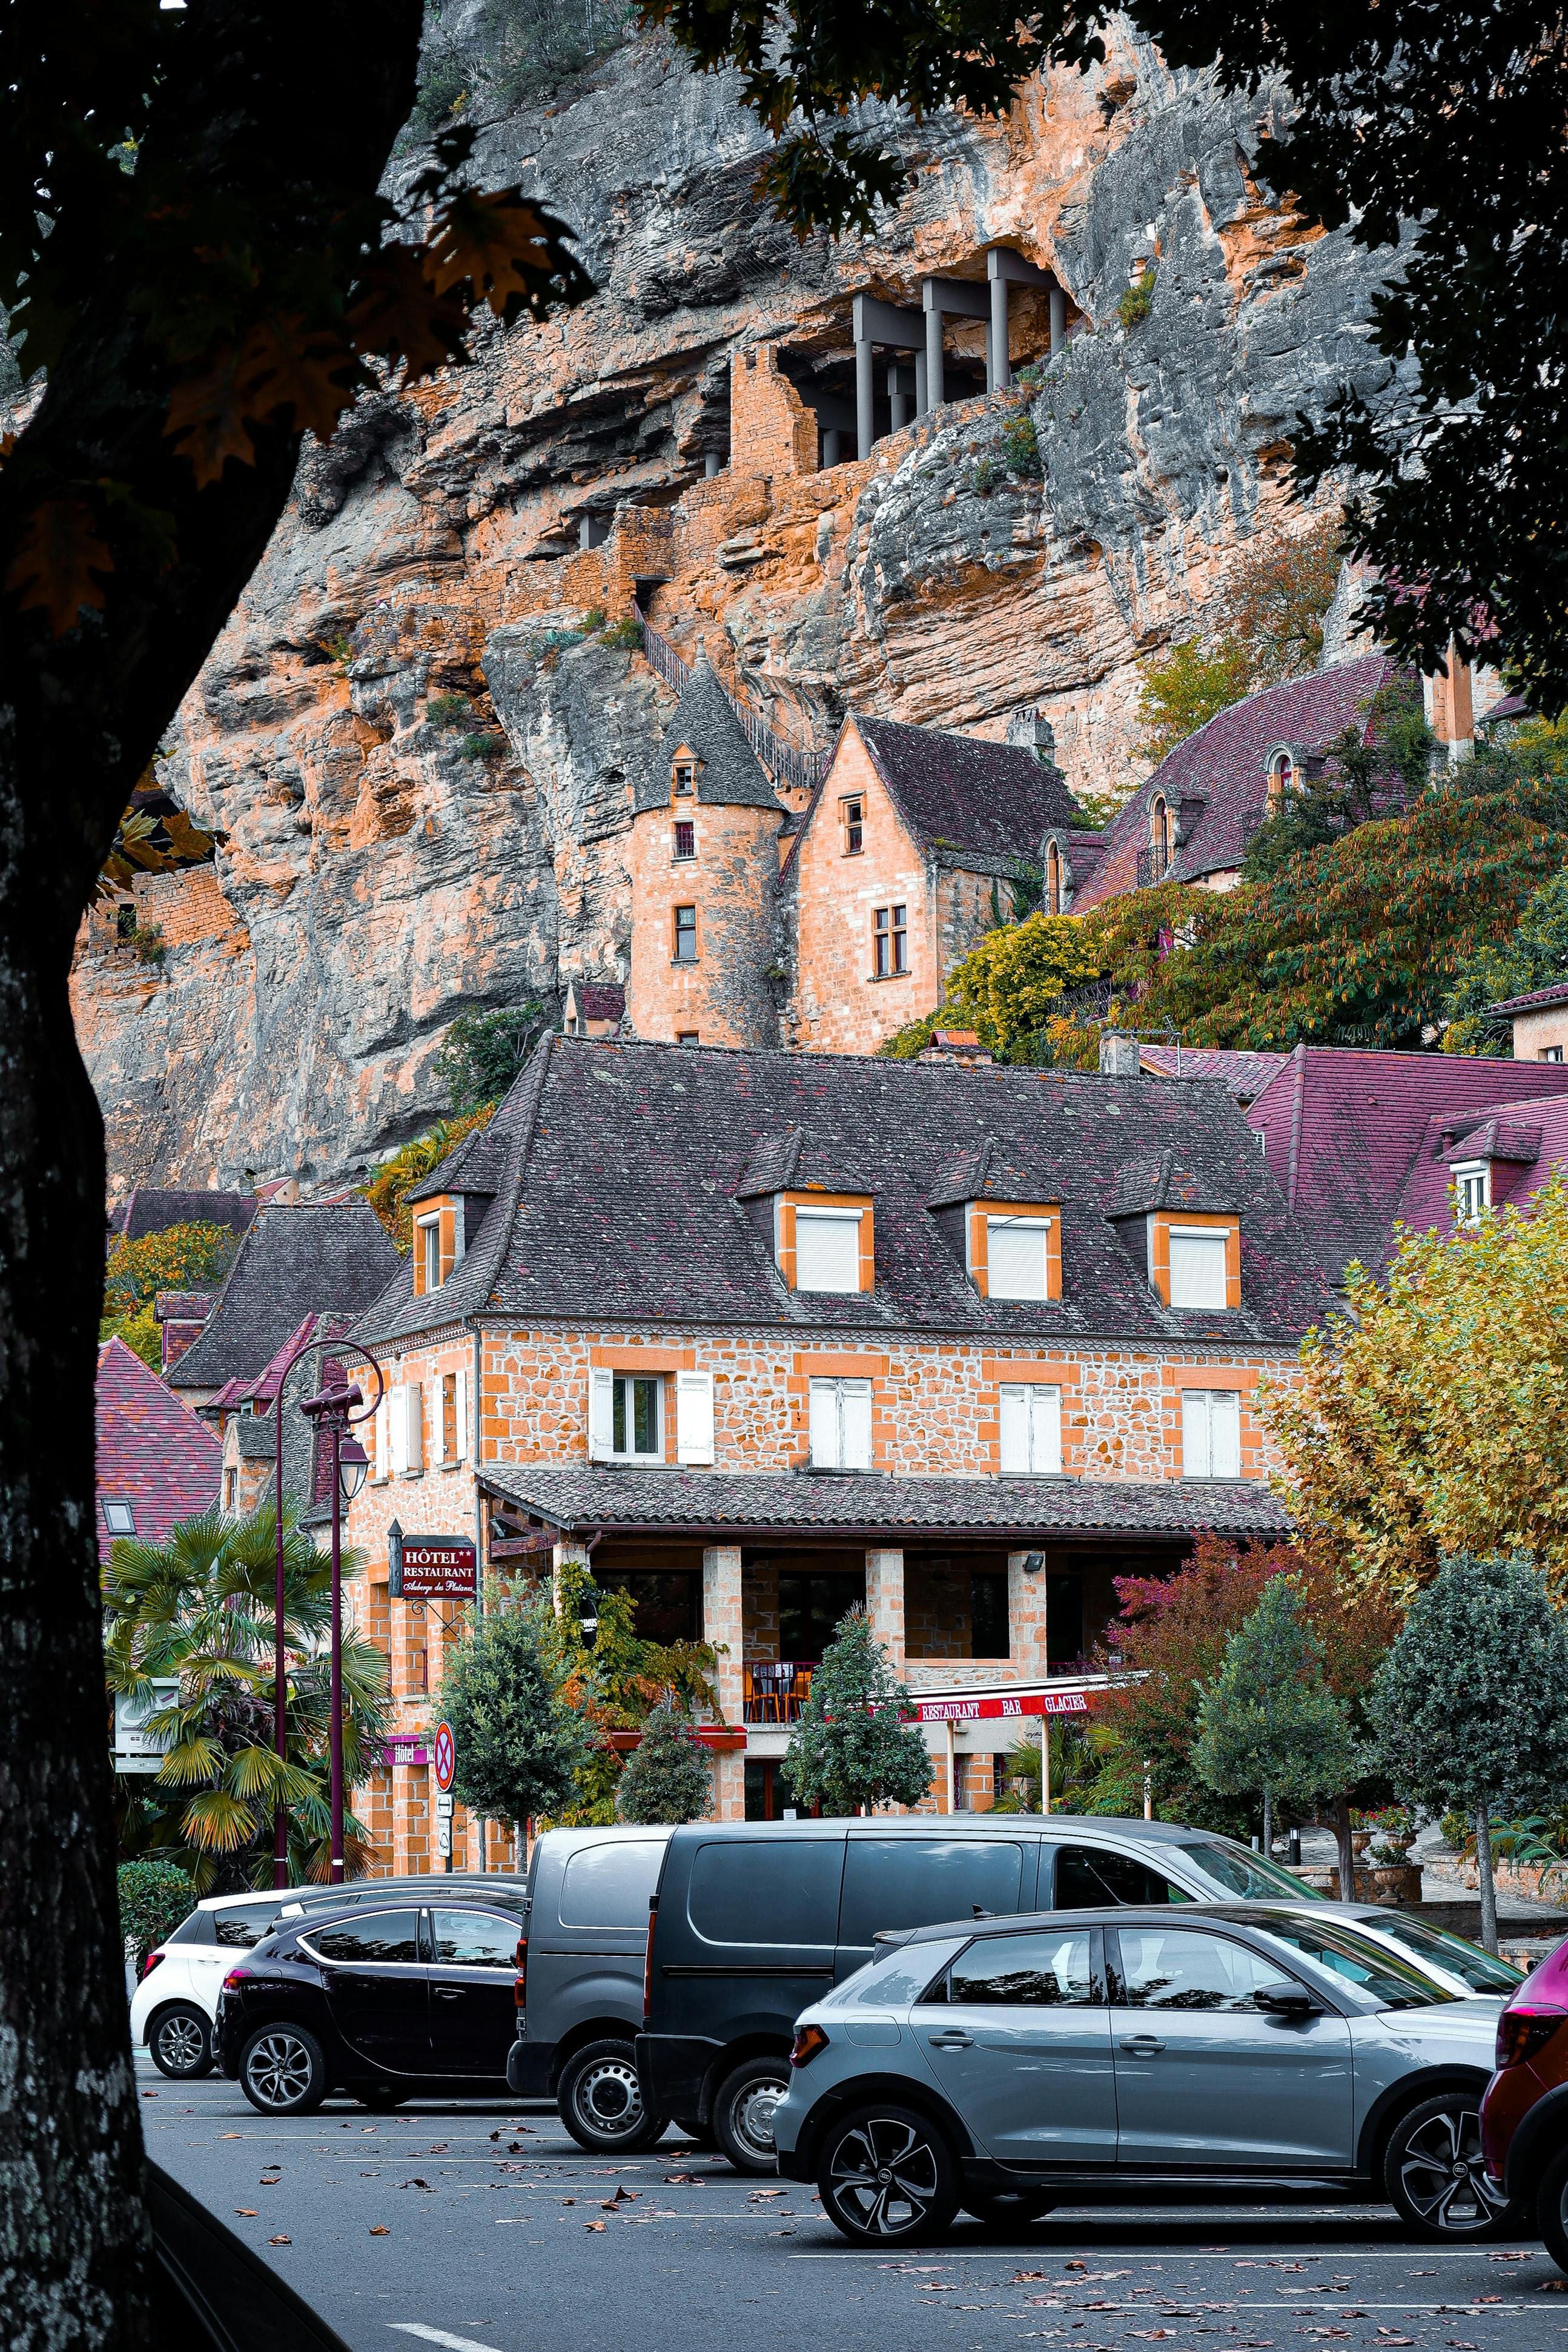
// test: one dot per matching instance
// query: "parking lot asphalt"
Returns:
(480, 2227)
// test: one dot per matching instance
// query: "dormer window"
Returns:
(824, 1243)
(686, 778)
(1281, 780)
(429, 1232)
(1198, 1268)
(1472, 1191)
(1195, 1261)
(439, 1240)
(1014, 1249)
(1053, 880)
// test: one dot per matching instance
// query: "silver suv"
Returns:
(1004, 2067)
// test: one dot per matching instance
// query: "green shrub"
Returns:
(1029, 380)
(985, 475)
(625, 636)
(449, 711)
(341, 649)
(593, 621)
(484, 747)
(154, 1897)
(1020, 445)
(1137, 301)
(149, 942)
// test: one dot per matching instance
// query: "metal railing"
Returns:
(784, 762)
(1154, 865)
(775, 1691)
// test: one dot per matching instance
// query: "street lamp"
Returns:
(334, 1410)
(279, 1666)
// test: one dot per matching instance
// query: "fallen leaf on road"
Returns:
(416, 2183)
(248, 2210)
(594, 2225)
(935, 2286)
(222, 2134)
(152, 2095)
(280, 2241)
(1075, 2265)
(1552, 2286)
(1020, 2276)
(569, 2201)
(380, 2229)
(685, 2179)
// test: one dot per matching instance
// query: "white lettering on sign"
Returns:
(996, 1708)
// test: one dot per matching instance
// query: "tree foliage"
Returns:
(388, 1188)
(1429, 1419)
(199, 1607)
(1268, 626)
(154, 1897)
(1184, 689)
(519, 1746)
(615, 1680)
(1534, 955)
(1371, 767)
(182, 1257)
(1268, 1724)
(854, 1742)
(483, 1053)
(668, 1777)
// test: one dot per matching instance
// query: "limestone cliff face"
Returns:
(384, 868)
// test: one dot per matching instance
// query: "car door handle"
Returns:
(450, 1992)
(1142, 2045)
(952, 2040)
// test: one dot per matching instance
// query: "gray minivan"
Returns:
(580, 1992)
(754, 1920)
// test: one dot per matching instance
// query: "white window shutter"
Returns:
(854, 1405)
(1045, 1448)
(382, 1448)
(1197, 1269)
(601, 1415)
(1015, 1426)
(460, 1421)
(1016, 1257)
(414, 1431)
(1194, 1448)
(825, 1425)
(438, 1420)
(1225, 1435)
(693, 1416)
(398, 1423)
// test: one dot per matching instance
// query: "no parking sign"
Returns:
(445, 1757)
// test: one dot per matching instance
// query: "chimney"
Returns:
(1119, 1055)
(954, 1045)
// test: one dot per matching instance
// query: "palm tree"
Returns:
(198, 1608)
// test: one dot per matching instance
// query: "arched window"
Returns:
(1160, 827)
(1053, 879)
(1281, 777)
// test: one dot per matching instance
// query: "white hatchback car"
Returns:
(173, 2007)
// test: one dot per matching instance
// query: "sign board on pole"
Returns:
(137, 1750)
(445, 1757)
(430, 1568)
(446, 1804)
(443, 1836)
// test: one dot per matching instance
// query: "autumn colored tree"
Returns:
(1186, 688)
(1429, 1419)
(1535, 955)
(388, 1188)
(181, 1257)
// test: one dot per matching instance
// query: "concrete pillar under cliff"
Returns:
(935, 390)
(922, 387)
(900, 395)
(998, 370)
(866, 428)
(713, 463)
(1058, 320)
(831, 453)
(884, 1601)
(722, 1627)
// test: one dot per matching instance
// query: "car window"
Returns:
(611, 1886)
(1169, 1969)
(1478, 1969)
(1231, 1870)
(1392, 1982)
(477, 1940)
(766, 1891)
(1090, 1875)
(380, 1937)
(909, 1882)
(1038, 1972)
(245, 1924)
(196, 1929)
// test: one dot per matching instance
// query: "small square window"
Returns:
(1550, 1054)
(686, 840)
(855, 827)
(828, 1250)
(1472, 1191)
(686, 1037)
(636, 1433)
(686, 935)
(1198, 1267)
(1017, 1261)
(120, 1519)
(685, 777)
(892, 941)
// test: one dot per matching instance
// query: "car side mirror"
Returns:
(1288, 2004)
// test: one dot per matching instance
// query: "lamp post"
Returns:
(333, 1410)
(279, 1666)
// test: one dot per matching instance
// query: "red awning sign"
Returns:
(987, 1708)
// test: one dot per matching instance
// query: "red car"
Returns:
(1524, 2115)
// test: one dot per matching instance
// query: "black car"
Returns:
(377, 2003)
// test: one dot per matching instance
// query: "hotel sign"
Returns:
(430, 1568)
(993, 1706)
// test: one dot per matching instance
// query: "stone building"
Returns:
(760, 1335)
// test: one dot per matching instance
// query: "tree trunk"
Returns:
(1345, 1840)
(1484, 1874)
(253, 105)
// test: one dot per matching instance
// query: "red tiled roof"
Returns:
(1245, 1074)
(152, 1452)
(601, 1001)
(1534, 1000)
(1343, 1130)
(1524, 1151)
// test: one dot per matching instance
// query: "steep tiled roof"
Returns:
(730, 774)
(1214, 781)
(149, 1210)
(294, 1261)
(183, 1305)
(1343, 1129)
(599, 1000)
(152, 1452)
(675, 1501)
(255, 1436)
(473, 1169)
(960, 792)
(1523, 1141)
(1243, 1075)
(1166, 1181)
(622, 1199)
(1536, 1000)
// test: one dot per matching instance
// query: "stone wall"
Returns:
(726, 997)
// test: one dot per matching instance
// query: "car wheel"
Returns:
(888, 2178)
(1007, 2208)
(181, 2043)
(1552, 2209)
(602, 2101)
(282, 2070)
(1435, 2175)
(743, 2113)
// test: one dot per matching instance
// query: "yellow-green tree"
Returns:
(182, 1257)
(388, 1190)
(1429, 1420)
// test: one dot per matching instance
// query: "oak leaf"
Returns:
(398, 315)
(59, 560)
(501, 247)
(207, 418)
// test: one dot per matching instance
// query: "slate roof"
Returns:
(152, 1452)
(1534, 1000)
(672, 1502)
(599, 1000)
(1342, 1130)
(255, 1436)
(1243, 1075)
(730, 774)
(151, 1211)
(294, 1261)
(1214, 781)
(183, 1305)
(1523, 1141)
(962, 793)
(626, 1162)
